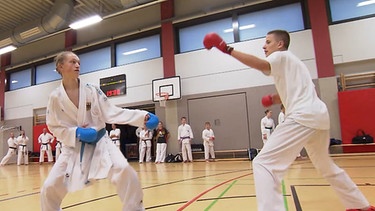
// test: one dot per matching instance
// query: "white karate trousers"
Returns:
(161, 151)
(45, 149)
(279, 153)
(23, 155)
(145, 149)
(121, 174)
(8, 156)
(208, 150)
(186, 150)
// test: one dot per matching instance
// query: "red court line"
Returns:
(208, 190)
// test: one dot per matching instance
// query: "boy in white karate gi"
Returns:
(267, 125)
(115, 135)
(184, 136)
(77, 114)
(145, 137)
(306, 125)
(208, 137)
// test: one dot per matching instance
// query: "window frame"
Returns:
(134, 38)
(331, 22)
(24, 68)
(237, 12)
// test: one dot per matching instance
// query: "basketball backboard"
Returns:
(171, 85)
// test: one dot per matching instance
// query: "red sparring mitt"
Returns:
(214, 40)
(267, 101)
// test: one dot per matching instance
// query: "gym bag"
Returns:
(362, 138)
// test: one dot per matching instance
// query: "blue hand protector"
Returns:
(152, 121)
(86, 135)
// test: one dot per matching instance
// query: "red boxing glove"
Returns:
(267, 101)
(214, 40)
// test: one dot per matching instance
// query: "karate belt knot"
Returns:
(101, 133)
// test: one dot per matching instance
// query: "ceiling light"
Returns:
(7, 49)
(86, 22)
(14, 81)
(227, 30)
(29, 33)
(6, 41)
(365, 3)
(250, 26)
(135, 51)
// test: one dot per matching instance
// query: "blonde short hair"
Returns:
(61, 57)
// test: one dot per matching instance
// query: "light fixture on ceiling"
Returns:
(365, 3)
(5, 42)
(250, 26)
(135, 51)
(14, 81)
(7, 49)
(86, 22)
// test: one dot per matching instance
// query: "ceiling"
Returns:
(26, 21)
(21, 15)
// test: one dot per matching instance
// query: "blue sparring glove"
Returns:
(152, 121)
(87, 135)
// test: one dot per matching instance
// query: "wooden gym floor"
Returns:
(221, 185)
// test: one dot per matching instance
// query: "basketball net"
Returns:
(163, 97)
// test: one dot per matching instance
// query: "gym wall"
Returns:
(205, 74)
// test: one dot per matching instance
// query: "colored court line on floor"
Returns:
(16, 197)
(208, 190)
(220, 196)
(284, 195)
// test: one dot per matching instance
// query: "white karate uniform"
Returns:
(12, 143)
(45, 140)
(161, 145)
(208, 144)
(145, 137)
(23, 154)
(98, 161)
(267, 125)
(115, 140)
(58, 149)
(281, 118)
(185, 134)
(306, 125)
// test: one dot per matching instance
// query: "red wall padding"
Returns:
(357, 111)
(38, 129)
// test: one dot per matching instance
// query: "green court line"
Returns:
(221, 195)
(284, 195)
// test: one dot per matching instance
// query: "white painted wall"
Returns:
(205, 71)
(353, 41)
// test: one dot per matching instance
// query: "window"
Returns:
(95, 60)
(191, 38)
(138, 50)
(343, 10)
(257, 24)
(46, 72)
(20, 79)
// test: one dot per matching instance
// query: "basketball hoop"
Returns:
(163, 97)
